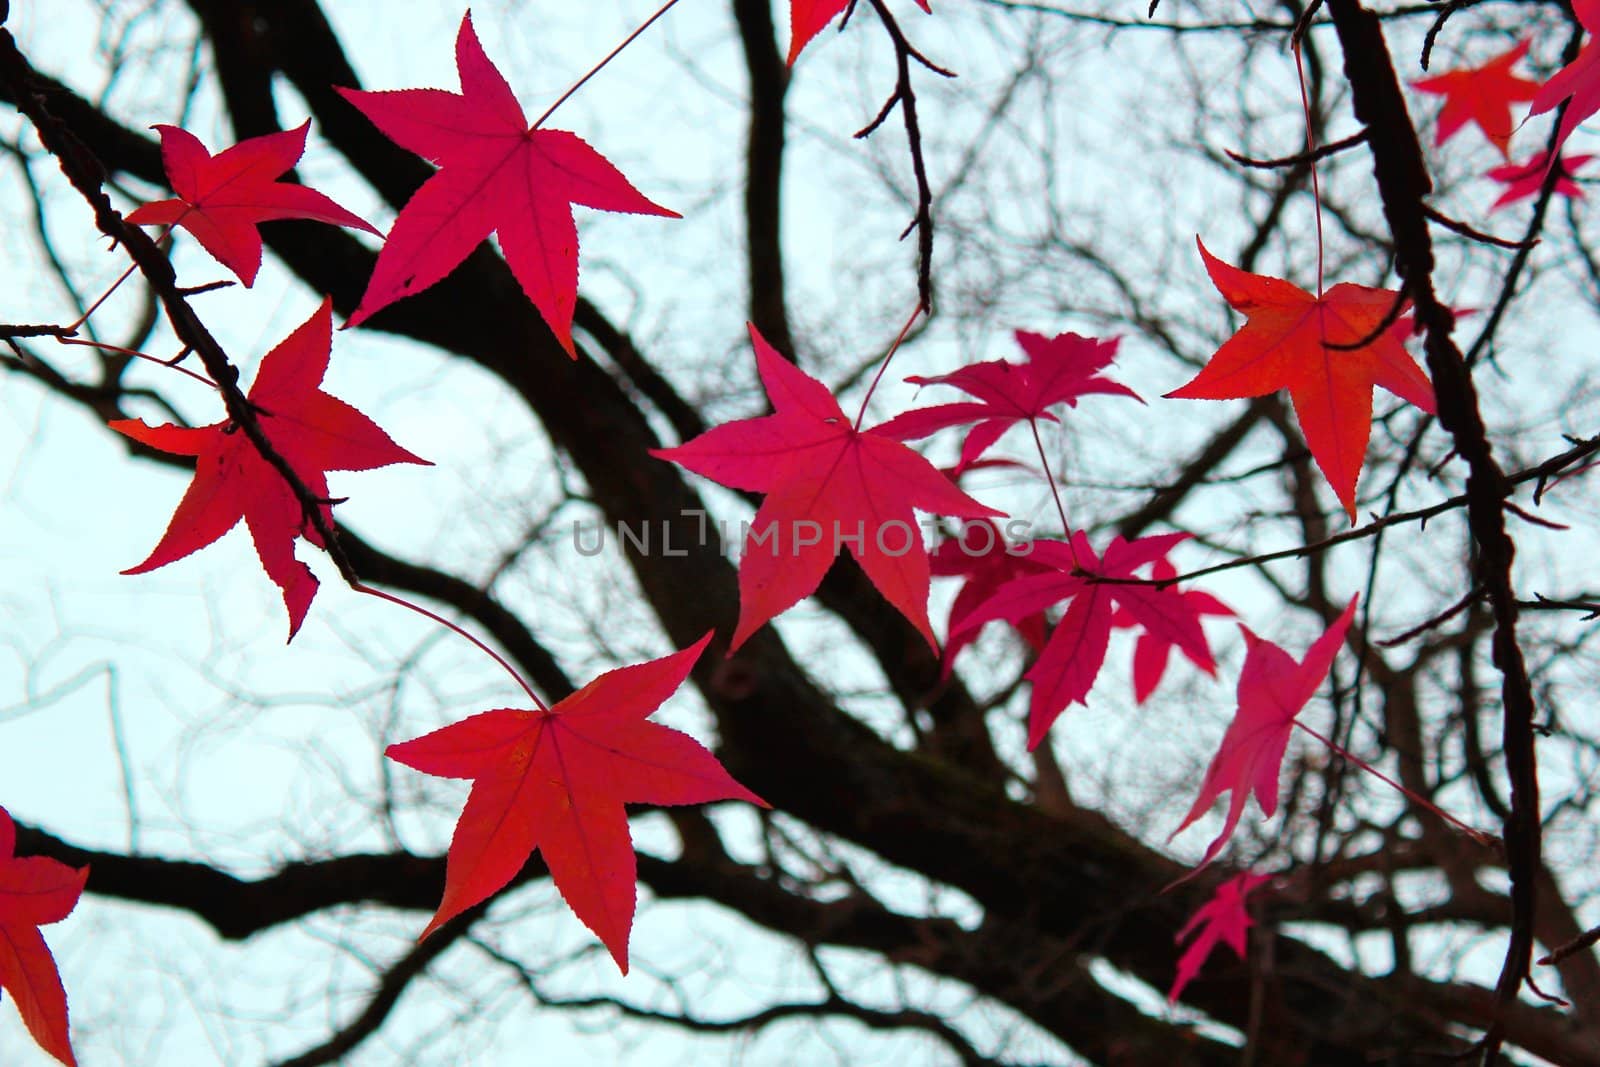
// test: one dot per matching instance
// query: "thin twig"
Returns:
(905, 97)
(1303, 158)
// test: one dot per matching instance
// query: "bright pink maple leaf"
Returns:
(983, 557)
(1482, 95)
(557, 781)
(808, 17)
(1524, 180)
(222, 198)
(1067, 668)
(35, 891)
(1058, 370)
(1578, 81)
(1224, 919)
(313, 431)
(829, 486)
(1273, 688)
(1284, 344)
(496, 175)
(1152, 651)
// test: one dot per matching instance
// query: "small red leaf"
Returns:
(808, 17)
(313, 431)
(1223, 919)
(1524, 180)
(1273, 688)
(1482, 95)
(222, 198)
(1153, 649)
(982, 556)
(1058, 370)
(1578, 81)
(829, 486)
(558, 780)
(495, 175)
(34, 892)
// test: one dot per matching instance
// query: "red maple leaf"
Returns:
(1524, 180)
(1058, 370)
(1224, 919)
(557, 781)
(1273, 688)
(829, 486)
(982, 556)
(1151, 652)
(222, 198)
(1284, 345)
(1483, 95)
(496, 175)
(1578, 81)
(313, 431)
(35, 891)
(808, 17)
(1067, 668)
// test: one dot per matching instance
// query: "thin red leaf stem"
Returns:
(1055, 492)
(447, 624)
(1477, 835)
(136, 354)
(564, 97)
(92, 308)
(1311, 151)
(884, 366)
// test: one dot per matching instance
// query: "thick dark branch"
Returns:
(1402, 184)
(763, 183)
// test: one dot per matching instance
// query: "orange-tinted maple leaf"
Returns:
(829, 486)
(496, 175)
(1481, 95)
(1223, 918)
(557, 781)
(808, 17)
(1578, 81)
(1273, 688)
(222, 198)
(35, 891)
(1284, 345)
(313, 431)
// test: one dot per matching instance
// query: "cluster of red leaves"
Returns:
(557, 780)
(1097, 591)
(1484, 95)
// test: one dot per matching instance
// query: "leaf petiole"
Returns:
(1479, 836)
